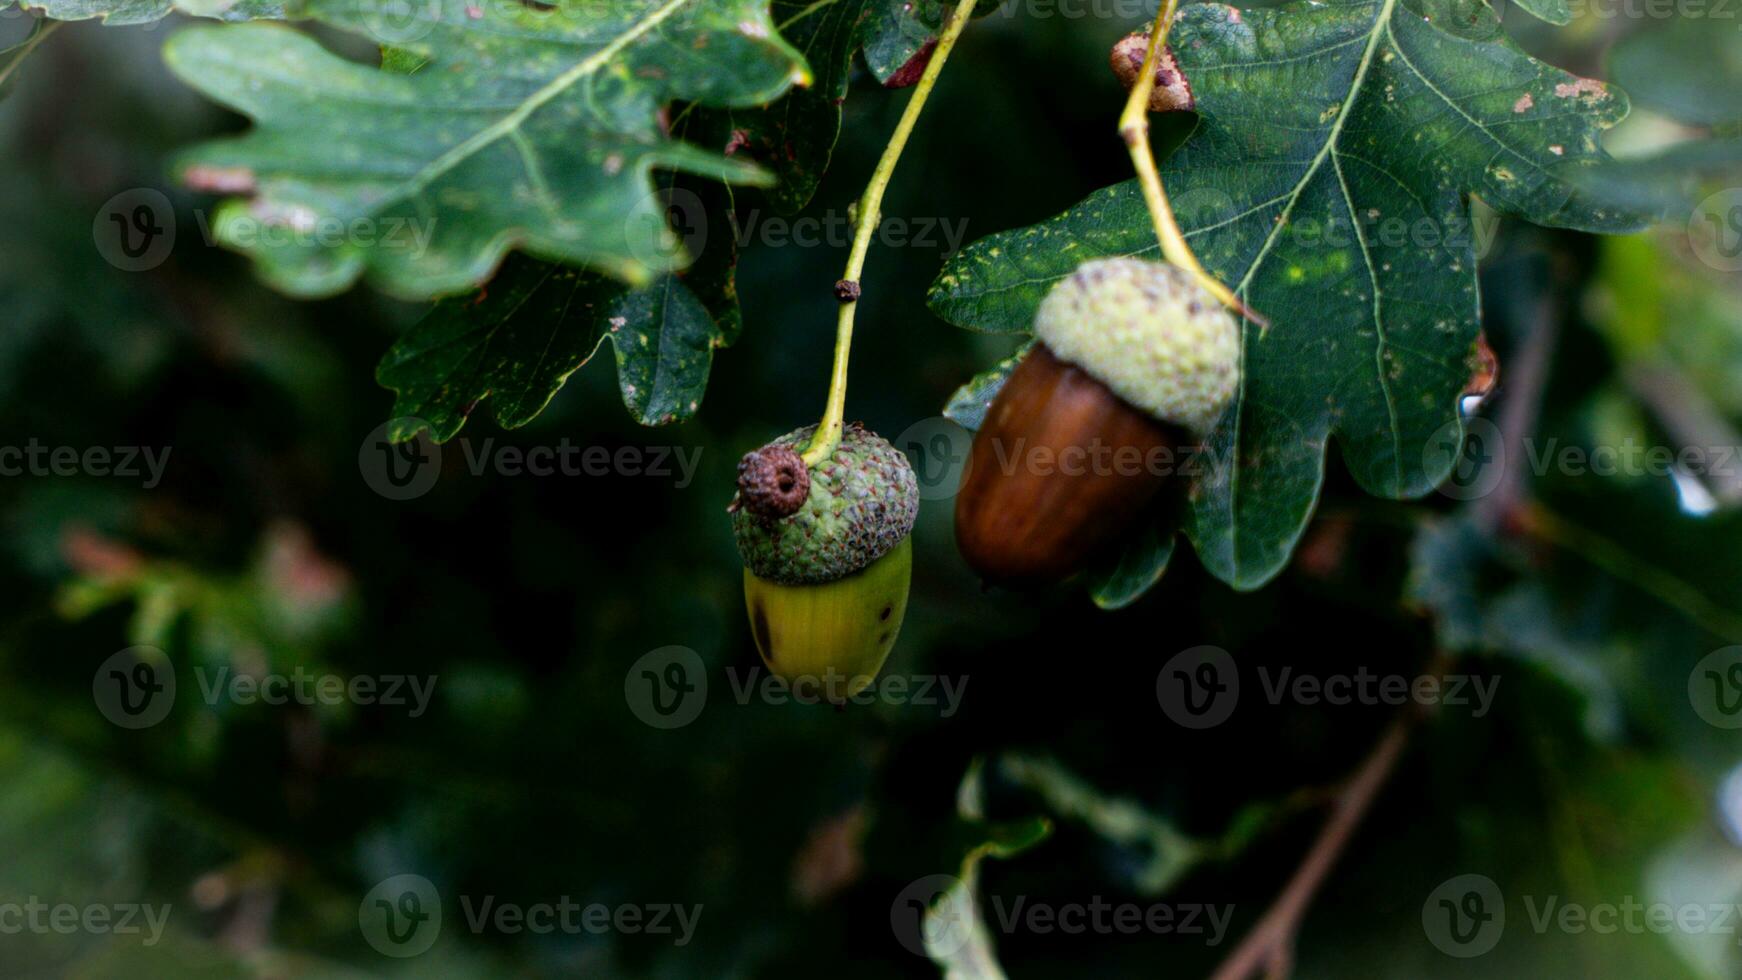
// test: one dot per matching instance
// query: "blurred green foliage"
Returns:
(531, 778)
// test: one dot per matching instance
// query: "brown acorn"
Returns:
(1134, 363)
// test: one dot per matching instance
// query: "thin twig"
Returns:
(1270, 944)
(870, 213)
(22, 50)
(1521, 386)
(1134, 129)
(1689, 417)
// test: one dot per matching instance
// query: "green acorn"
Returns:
(827, 558)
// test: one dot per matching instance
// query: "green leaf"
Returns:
(954, 932)
(1342, 212)
(121, 13)
(1165, 853)
(1122, 578)
(967, 406)
(528, 127)
(519, 340)
(795, 136)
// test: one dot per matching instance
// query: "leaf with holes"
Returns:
(1342, 212)
(528, 126)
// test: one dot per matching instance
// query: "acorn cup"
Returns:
(827, 557)
(1134, 364)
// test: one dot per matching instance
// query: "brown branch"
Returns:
(1270, 944)
(1690, 418)
(1521, 387)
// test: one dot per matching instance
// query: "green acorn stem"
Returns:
(870, 212)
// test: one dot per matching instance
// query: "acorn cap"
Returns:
(1149, 332)
(861, 503)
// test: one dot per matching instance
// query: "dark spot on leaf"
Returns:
(910, 73)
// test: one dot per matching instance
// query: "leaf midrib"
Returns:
(1380, 22)
(511, 122)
